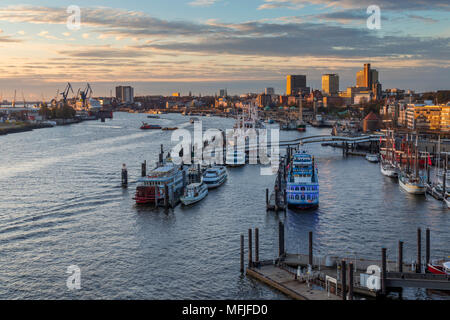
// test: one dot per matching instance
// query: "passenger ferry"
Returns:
(194, 193)
(302, 188)
(150, 189)
(214, 177)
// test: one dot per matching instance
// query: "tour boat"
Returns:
(146, 126)
(235, 158)
(302, 188)
(151, 189)
(439, 269)
(215, 176)
(388, 170)
(372, 158)
(411, 184)
(194, 193)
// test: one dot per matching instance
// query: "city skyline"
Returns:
(205, 45)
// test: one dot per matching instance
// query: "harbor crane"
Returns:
(85, 94)
(65, 93)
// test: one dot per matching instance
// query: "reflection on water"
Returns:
(62, 204)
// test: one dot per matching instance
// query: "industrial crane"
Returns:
(65, 93)
(85, 94)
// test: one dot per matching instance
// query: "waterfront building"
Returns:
(176, 94)
(371, 122)
(423, 117)
(295, 84)
(445, 118)
(269, 91)
(264, 100)
(330, 84)
(125, 94)
(329, 101)
(362, 96)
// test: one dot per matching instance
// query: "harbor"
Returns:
(360, 212)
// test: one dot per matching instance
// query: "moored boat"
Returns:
(194, 193)
(302, 188)
(146, 126)
(372, 158)
(388, 170)
(443, 269)
(411, 184)
(215, 176)
(151, 189)
(169, 128)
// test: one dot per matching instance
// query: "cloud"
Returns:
(354, 4)
(202, 3)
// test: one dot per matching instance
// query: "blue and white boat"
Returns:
(215, 176)
(302, 186)
(194, 193)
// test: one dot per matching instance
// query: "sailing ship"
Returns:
(387, 165)
(302, 187)
(412, 182)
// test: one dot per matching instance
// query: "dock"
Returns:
(307, 277)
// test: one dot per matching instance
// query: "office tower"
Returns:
(268, 91)
(330, 84)
(295, 84)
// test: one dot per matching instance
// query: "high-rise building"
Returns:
(295, 84)
(366, 77)
(223, 93)
(330, 84)
(125, 94)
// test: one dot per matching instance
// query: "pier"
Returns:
(310, 277)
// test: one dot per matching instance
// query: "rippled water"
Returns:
(62, 204)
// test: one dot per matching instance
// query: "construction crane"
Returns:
(65, 93)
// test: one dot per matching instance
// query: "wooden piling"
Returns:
(344, 280)
(250, 249)
(400, 257)
(162, 149)
(311, 261)
(124, 176)
(256, 245)
(144, 169)
(350, 281)
(267, 198)
(383, 271)
(280, 239)
(419, 251)
(427, 247)
(242, 253)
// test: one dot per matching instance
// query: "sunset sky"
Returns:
(162, 46)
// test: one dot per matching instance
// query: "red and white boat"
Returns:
(439, 269)
(146, 126)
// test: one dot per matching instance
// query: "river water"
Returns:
(62, 205)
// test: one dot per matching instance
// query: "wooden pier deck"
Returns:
(284, 281)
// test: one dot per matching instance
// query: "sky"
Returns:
(160, 47)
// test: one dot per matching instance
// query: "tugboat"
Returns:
(302, 188)
(150, 189)
(194, 193)
(146, 126)
(214, 177)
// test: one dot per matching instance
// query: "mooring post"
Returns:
(344, 280)
(383, 271)
(166, 196)
(310, 249)
(427, 247)
(124, 175)
(256, 246)
(161, 159)
(144, 168)
(350, 281)
(400, 257)
(280, 239)
(162, 149)
(250, 249)
(267, 198)
(242, 253)
(419, 251)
